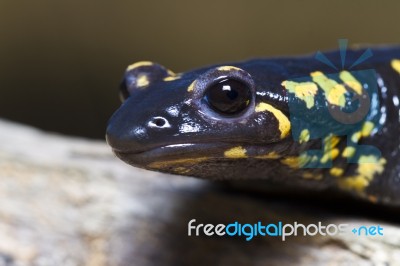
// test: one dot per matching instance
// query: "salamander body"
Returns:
(294, 121)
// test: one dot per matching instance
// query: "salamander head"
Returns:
(213, 122)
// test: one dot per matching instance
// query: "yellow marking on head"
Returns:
(334, 92)
(304, 136)
(172, 77)
(367, 128)
(228, 68)
(181, 170)
(236, 152)
(335, 171)
(308, 175)
(168, 163)
(348, 152)
(396, 65)
(271, 155)
(303, 90)
(283, 121)
(191, 86)
(356, 137)
(139, 64)
(351, 81)
(142, 81)
(368, 166)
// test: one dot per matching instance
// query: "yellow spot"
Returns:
(372, 198)
(236, 152)
(169, 163)
(330, 152)
(334, 153)
(283, 121)
(348, 152)
(172, 77)
(191, 86)
(271, 155)
(357, 183)
(396, 65)
(308, 175)
(331, 141)
(228, 68)
(334, 92)
(356, 137)
(367, 128)
(304, 136)
(181, 170)
(139, 64)
(292, 162)
(368, 166)
(351, 81)
(335, 171)
(330, 155)
(298, 161)
(171, 73)
(142, 81)
(303, 90)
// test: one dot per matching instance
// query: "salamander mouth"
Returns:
(214, 161)
(158, 158)
(174, 152)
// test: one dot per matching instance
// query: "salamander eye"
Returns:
(228, 96)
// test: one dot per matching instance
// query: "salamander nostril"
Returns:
(159, 122)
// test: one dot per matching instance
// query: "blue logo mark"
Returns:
(330, 105)
(368, 230)
(343, 48)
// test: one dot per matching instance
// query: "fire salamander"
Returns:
(294, 121)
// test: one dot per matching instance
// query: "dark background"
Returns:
(61, 61)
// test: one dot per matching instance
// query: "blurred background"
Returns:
(61, 61)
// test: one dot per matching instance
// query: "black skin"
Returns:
(155, 124)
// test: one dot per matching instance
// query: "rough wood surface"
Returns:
(68, 201)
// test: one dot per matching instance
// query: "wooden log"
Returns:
(69, 201)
